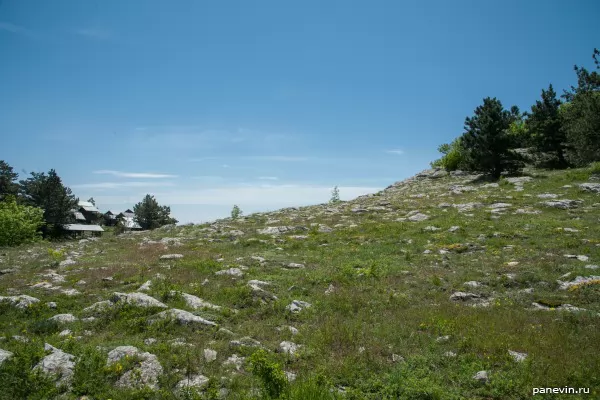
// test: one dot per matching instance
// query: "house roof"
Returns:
(81, 228)
(79, 216)
(87, 206)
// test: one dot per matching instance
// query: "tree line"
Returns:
(41, 205)
(556, 133)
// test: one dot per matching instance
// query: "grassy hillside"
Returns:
(409, 293)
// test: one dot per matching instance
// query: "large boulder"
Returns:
(145, 372)
(137, 299)
(57, 364)
(183, 317)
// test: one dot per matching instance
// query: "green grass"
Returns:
(389, 300)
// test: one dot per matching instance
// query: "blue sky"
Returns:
(264, 104)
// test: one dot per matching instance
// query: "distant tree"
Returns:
(8, 178)
(48, 193)
(487, 142)
(335, 195)
(91, 200)
(581, 116)
(19, 223)
(545, 126)
(150, 215)
(236, 212)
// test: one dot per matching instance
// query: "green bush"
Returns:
(270, 373)
(19, 224)
(454, 156)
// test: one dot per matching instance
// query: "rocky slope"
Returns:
(440, 286)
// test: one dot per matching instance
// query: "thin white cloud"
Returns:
(121, 174)
(263, 195)
(268, 178)
(208, 177)
(95, 33)
(395, 151)
(121, 185)
(278, 158)
(12, 28)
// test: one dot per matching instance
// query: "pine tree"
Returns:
(581, 116)
(8, 177)
(150, 215)
(236, 212)
(335, 195)
(545, 127)
(48, 193)
(486, 139)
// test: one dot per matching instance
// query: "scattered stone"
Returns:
(453, 228)
(66, 332)
(183, 317)
(195, 302)
(99, 307)
(274, 230)
(67, 262)
(580, 257)
(580, 280)
(210, 355)
(472, 284)
(418, 217)
(562, 307)
(294, 266)
(231, 271)
(145, 373)
(58, 364)
(591, 266)
(290, 376)
(193, 382)
(5, 355)
(518, 357)
(236, 361)
(292, 330)
(137, 299)
(171, 256)
(22, 301)
(7, 271)
(443, 339)
(467, 206)
(462, 296)
(289, 348)
(397, 358)
(547, 196)
(512, 263)
(450, 354)
(527, 211)
(150, 341)
(563, 204)
(51, 304)
(63, 318)
(330, 289)
(255, 285)
(246, 341)
(145, 287)
(519, 180)
(590, 187)
(481, 377)
(298, 305)
(324, 229)
(431, 228)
